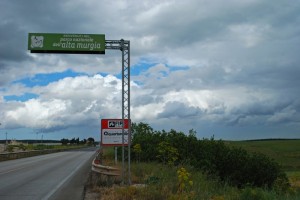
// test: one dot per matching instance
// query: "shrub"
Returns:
(167, 153)
(256, 194)
(238, 167)
(281, 184)
(184, 180)
(22, 147)
(262, 171)
(232, 165)
(10, 148)
(137, 149)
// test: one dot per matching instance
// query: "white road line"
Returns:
(61, 183)
(12, 170)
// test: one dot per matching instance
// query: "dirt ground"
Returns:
(2, 147)
(98, 186)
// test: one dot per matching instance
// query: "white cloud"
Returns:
(239, 62)
(67, 102)
(37, 114)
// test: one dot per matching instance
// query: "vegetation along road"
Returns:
(52, 176)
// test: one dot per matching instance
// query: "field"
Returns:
(166, 182)
(285, 152)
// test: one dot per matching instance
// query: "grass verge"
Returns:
(157, 181)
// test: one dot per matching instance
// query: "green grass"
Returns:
(285, 152)
(163, 183)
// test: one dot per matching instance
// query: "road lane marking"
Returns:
(32, 162)
(62, 182)
(12, 170)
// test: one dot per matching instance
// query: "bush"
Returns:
(167, 153)
(255, 194)
(240, 168)
(262, 170)
(232, 165)
(10, 148)
(22, 147)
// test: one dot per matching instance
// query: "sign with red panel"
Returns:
(111, 132)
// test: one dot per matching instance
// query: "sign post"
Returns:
(91, 44)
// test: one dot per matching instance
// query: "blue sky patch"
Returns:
(140, 68)
(22, 98)
(177, 68)
(45, 79)
(144, 65)
(103, 74)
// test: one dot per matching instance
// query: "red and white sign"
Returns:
(111, 132)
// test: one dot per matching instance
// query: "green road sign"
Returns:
(66, 43)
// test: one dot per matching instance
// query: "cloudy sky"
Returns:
(223, 68)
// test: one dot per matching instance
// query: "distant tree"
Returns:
(64, 141)
(192, 133)
(83, 141)
(141, 128)
(72, 141)
(77, 141)
(90, 141)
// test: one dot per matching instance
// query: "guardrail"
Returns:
(25, 154)
(105, 174)
(105, 170)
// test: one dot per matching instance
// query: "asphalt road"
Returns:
(52, 176)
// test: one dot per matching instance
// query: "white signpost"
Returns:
(111, 132)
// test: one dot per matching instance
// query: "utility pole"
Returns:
(6, 138)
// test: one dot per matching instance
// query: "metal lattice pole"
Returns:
(126, 95)
(124, 46)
